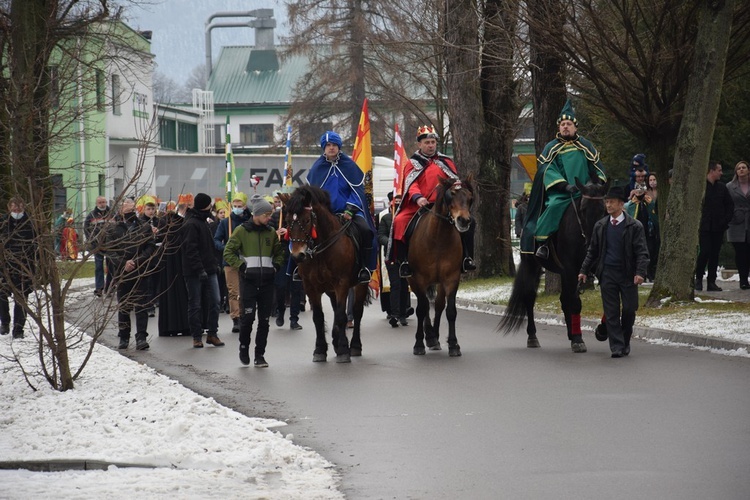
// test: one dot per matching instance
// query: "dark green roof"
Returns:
(246, 75)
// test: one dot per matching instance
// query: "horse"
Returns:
(435, 255)
(326, 262)
(567, 251)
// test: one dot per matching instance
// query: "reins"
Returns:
(313, 247)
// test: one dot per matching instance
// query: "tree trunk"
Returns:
(461, 28)
(680, 232)
(501, 108)
(357, 55)
(547, 84)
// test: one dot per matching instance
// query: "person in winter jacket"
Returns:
(92, 228)
(239, 215)
(717, 213)
(255, 251)
(199, 268)
(618, 256)
(129, 246)
(18, 249)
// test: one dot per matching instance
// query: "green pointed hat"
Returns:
(567, 113)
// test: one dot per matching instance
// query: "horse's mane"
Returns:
(305, 196)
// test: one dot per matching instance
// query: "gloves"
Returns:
(243, 269)
(203, 276)
(571, 188)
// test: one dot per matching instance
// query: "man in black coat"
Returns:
(18, 263)
(619, 256)
(199, 268)
(717, 213)
(92, 228)
(129, 246)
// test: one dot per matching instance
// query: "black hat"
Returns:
(616, 192)
(201, 201)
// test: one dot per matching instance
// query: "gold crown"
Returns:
(426, 131)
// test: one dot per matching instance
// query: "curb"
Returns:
(690, 339)
(63, 465)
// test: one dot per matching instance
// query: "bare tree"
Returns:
(675, 272)
(51, 54)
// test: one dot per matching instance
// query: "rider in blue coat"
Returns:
(345, 182)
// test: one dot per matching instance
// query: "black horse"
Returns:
(567, 251)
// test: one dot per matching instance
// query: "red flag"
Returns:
(399, 164)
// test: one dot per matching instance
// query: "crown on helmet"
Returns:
(426, 131)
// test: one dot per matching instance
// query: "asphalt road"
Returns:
(502, 421)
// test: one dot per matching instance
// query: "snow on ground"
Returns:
(733, 326)
(125, 413)
(188, 446)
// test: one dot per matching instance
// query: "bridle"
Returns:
(311, 234)
(578, 215)
(447, 196)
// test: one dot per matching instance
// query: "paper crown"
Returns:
(426, 131)
(186, 199)
(220, 204)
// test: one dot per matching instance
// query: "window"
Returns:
(256, 135)
(60, 194)
(116, 94)
(54, 86)
(100, 90)
(187, 137)
(168, 134)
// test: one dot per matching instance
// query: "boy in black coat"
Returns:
(619, 256)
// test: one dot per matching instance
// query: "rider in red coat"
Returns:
(421, 178)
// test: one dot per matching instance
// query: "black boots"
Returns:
(364, 276)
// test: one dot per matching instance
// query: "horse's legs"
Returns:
(321, 346)
(423, 309)
(340, 341)
(453, 348)
(571, 306)
(532, 340)
(360, 296)
(433, 332)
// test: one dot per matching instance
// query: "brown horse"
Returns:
(435, 255)
(326, 259)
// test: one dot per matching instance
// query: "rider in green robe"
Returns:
(566, 158)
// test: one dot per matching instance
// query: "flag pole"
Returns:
(229, 172)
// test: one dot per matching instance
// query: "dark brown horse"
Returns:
(326, 260)
(567, 251)
(435, 255)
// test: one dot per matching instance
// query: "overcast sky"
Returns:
(179, 26)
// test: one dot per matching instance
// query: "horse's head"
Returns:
(592, 204)
(301, 219)
(454, 199)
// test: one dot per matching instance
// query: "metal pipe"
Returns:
(259, 13)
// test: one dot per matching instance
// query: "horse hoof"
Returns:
(454, 352)
(355, 352)
(343, 358)
(533, 343)
(319, 358)
(601, 332)
(436, 347)
(419, 351)
(578, 347)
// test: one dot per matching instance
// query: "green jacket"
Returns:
(258, 248)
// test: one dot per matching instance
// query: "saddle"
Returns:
(412, 226)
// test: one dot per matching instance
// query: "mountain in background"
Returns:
(178, 30)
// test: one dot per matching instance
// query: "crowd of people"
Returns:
(200, 256)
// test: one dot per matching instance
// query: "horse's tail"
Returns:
(523, 295)
(432, 292)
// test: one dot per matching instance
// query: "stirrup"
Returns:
(364, 275)
(404, 270)
(542, 252)
(468, 265)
